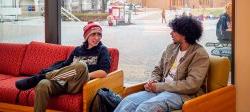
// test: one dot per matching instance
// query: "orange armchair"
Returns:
(220, 96)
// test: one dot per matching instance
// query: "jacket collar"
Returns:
(176, 50)
(85, 45)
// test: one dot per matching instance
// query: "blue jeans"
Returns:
(150, 102)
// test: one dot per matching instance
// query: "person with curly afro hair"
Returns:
(188, 27)
(179, 75)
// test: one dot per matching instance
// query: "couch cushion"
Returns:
(66, 102)
(71, 49)
(3, 76)
(11, 56)
(42, 55)
(8, 90)
(8, 86)
(218, 73)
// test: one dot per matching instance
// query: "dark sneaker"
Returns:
(30, 82)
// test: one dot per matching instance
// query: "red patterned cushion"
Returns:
(114, 56)
(3, 77)
(23, 97)
(42, 55)
(8, 90)
(11, 56)
(65, 102)
(71, 48)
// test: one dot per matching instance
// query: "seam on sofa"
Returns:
(26, 46)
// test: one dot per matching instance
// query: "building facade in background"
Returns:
(176, 4)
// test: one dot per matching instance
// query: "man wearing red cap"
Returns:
(88, 61)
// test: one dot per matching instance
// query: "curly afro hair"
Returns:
(187, 26)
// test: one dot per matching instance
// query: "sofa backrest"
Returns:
(218, 73)
(42, 55)
(11, 57)
(114, 57)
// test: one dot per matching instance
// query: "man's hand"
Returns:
(150, 86)
(146, 87)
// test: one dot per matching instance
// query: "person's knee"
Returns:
(163, 102)
(143, 107)
(81, 66)
(131, 102)
(148, 107)
(81, 70)
(43, 86)
(126, 105)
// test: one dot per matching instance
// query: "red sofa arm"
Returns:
(220, 100)
(114, 59)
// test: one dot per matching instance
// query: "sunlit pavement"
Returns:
(140, 44)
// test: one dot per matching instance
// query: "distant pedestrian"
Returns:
(224, 25)
(163, 17)
(130, 12)
(110, 19)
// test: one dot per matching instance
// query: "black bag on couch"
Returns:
(105, 100)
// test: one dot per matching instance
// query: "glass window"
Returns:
(21, 21)
(140, 33)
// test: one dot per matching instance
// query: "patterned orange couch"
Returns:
(18, 61)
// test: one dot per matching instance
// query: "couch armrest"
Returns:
(133, 89)
(220, 100)
(113, 81)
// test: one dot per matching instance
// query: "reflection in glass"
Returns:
(21, 21)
